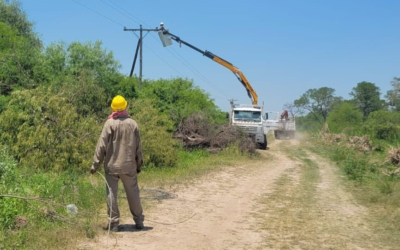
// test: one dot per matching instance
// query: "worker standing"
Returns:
(120, 149)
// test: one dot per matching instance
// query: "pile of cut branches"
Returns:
(197, 132)
(361, 143)
(393, 156)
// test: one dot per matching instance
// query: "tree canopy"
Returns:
(366, 97)
(12, 14)
(179, 98)
(393, 95)
(317, 102)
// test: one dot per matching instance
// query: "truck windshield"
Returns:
(247, 116)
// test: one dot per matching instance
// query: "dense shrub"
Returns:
(179, 98)
(383, 125)
(44, 131)
(159, 148)
(344, 118)
(308, 123)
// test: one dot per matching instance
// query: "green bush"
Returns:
(344, 117)
(308, 123)
(179, 98)
(355, 168)
(383, 125)
(46, 132)
(159, 148)
(9, 209)
(7, 167)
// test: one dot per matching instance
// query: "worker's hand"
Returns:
(92, 170)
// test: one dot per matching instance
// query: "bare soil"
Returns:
(291, 199)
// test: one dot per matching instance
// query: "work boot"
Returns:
(113, 227)
(139, 222)
(139, 225)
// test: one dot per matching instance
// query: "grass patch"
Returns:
(45, 223)
(288, 213)
(370, 187)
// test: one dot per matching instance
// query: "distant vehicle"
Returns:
(284, 127)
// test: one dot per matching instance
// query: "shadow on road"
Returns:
(131, 228)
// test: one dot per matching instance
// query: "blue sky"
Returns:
(283, 47)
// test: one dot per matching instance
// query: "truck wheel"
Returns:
(264, 145)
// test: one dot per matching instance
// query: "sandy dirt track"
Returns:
(279, 202)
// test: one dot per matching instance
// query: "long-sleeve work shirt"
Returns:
(119, 147)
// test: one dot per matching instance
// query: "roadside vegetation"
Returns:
(54, 101)
(362, 135)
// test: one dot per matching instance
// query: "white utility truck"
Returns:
(249, 117)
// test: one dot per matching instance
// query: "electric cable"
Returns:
(182, 60)
(219, 92)
(120, 11)
(163, 60)
(129, 14)
(109, 218)
(98, 13)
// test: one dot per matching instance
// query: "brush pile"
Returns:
(197, 132)
(393, 156)
(332, 138)
(361, 143)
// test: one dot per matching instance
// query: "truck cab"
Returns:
(250, 119)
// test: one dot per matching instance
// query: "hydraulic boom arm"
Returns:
(250, 91)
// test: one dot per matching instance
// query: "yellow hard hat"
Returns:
(118, 103)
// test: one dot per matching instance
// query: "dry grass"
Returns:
(393, 156)
(360, 143)
(310, 209)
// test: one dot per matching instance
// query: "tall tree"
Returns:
(393, 95)
(60, 61)
(12, 14)
(366, 98)
(17, 60)
(317, 102)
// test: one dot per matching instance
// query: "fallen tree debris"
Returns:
(197, 132)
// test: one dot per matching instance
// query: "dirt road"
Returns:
(290, 199)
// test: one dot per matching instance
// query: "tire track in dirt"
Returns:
(222, 207)
(310, 209)
(274, 203)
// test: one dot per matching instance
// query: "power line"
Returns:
(129, 14)
(98, 13)
(183, 61)
(163, 59)
(196, 72)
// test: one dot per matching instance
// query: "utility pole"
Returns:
(139, 47)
